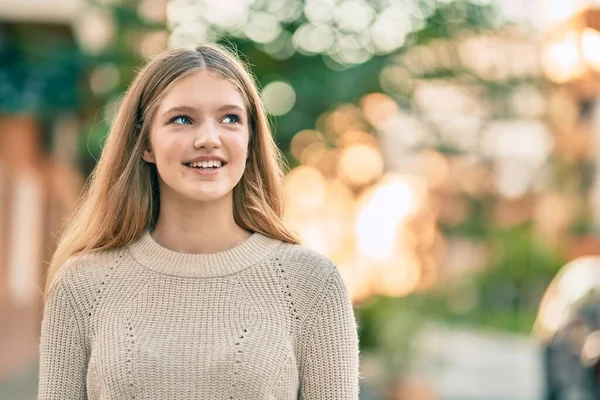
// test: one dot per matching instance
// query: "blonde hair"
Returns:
(122, 199)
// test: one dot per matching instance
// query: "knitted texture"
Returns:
(263, 320)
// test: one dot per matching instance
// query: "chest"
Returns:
(168, 346)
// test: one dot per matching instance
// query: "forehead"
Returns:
(202, 89)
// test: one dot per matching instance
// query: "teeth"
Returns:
(206, 164)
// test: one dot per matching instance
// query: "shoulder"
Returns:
(309, 274)
(81, 274)
(304, 263)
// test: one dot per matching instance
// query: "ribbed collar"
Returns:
(149, 253)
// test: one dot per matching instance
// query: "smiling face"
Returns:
(201, 118)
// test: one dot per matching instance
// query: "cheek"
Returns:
(239, 145)
(169, 151)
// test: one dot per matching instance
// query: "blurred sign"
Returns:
(40, 10)
(474, 365)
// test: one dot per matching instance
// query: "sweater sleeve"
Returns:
(63, 351)
(329, 346)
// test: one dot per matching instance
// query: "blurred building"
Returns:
(39, 76)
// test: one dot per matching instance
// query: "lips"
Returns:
(208, 172)
(201, 159)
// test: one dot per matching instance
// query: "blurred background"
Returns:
(444, 153)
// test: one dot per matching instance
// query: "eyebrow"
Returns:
(192, 109)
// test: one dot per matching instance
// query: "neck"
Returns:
(147, 252)
(198, 228)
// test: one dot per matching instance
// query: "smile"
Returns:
(206, 168)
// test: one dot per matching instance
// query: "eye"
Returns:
(233, 118)
(182, 118)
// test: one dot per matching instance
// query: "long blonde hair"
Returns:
(122, 197)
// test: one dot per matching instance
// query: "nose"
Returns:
(207, 136)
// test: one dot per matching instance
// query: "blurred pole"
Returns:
(595, 190)
(21, 159)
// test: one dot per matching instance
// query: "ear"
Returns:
(148, 156)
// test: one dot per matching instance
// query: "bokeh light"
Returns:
(382, 211)
(562, 59)
(104, 78)
(305, 187)
(590, 47)
(94, 29)
(360, 164)
(278, 97)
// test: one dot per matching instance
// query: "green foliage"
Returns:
(40, 70)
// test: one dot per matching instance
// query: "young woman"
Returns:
(176, 278)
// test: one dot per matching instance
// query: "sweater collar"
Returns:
(152, 255)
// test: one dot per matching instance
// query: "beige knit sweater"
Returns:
(263, 320)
